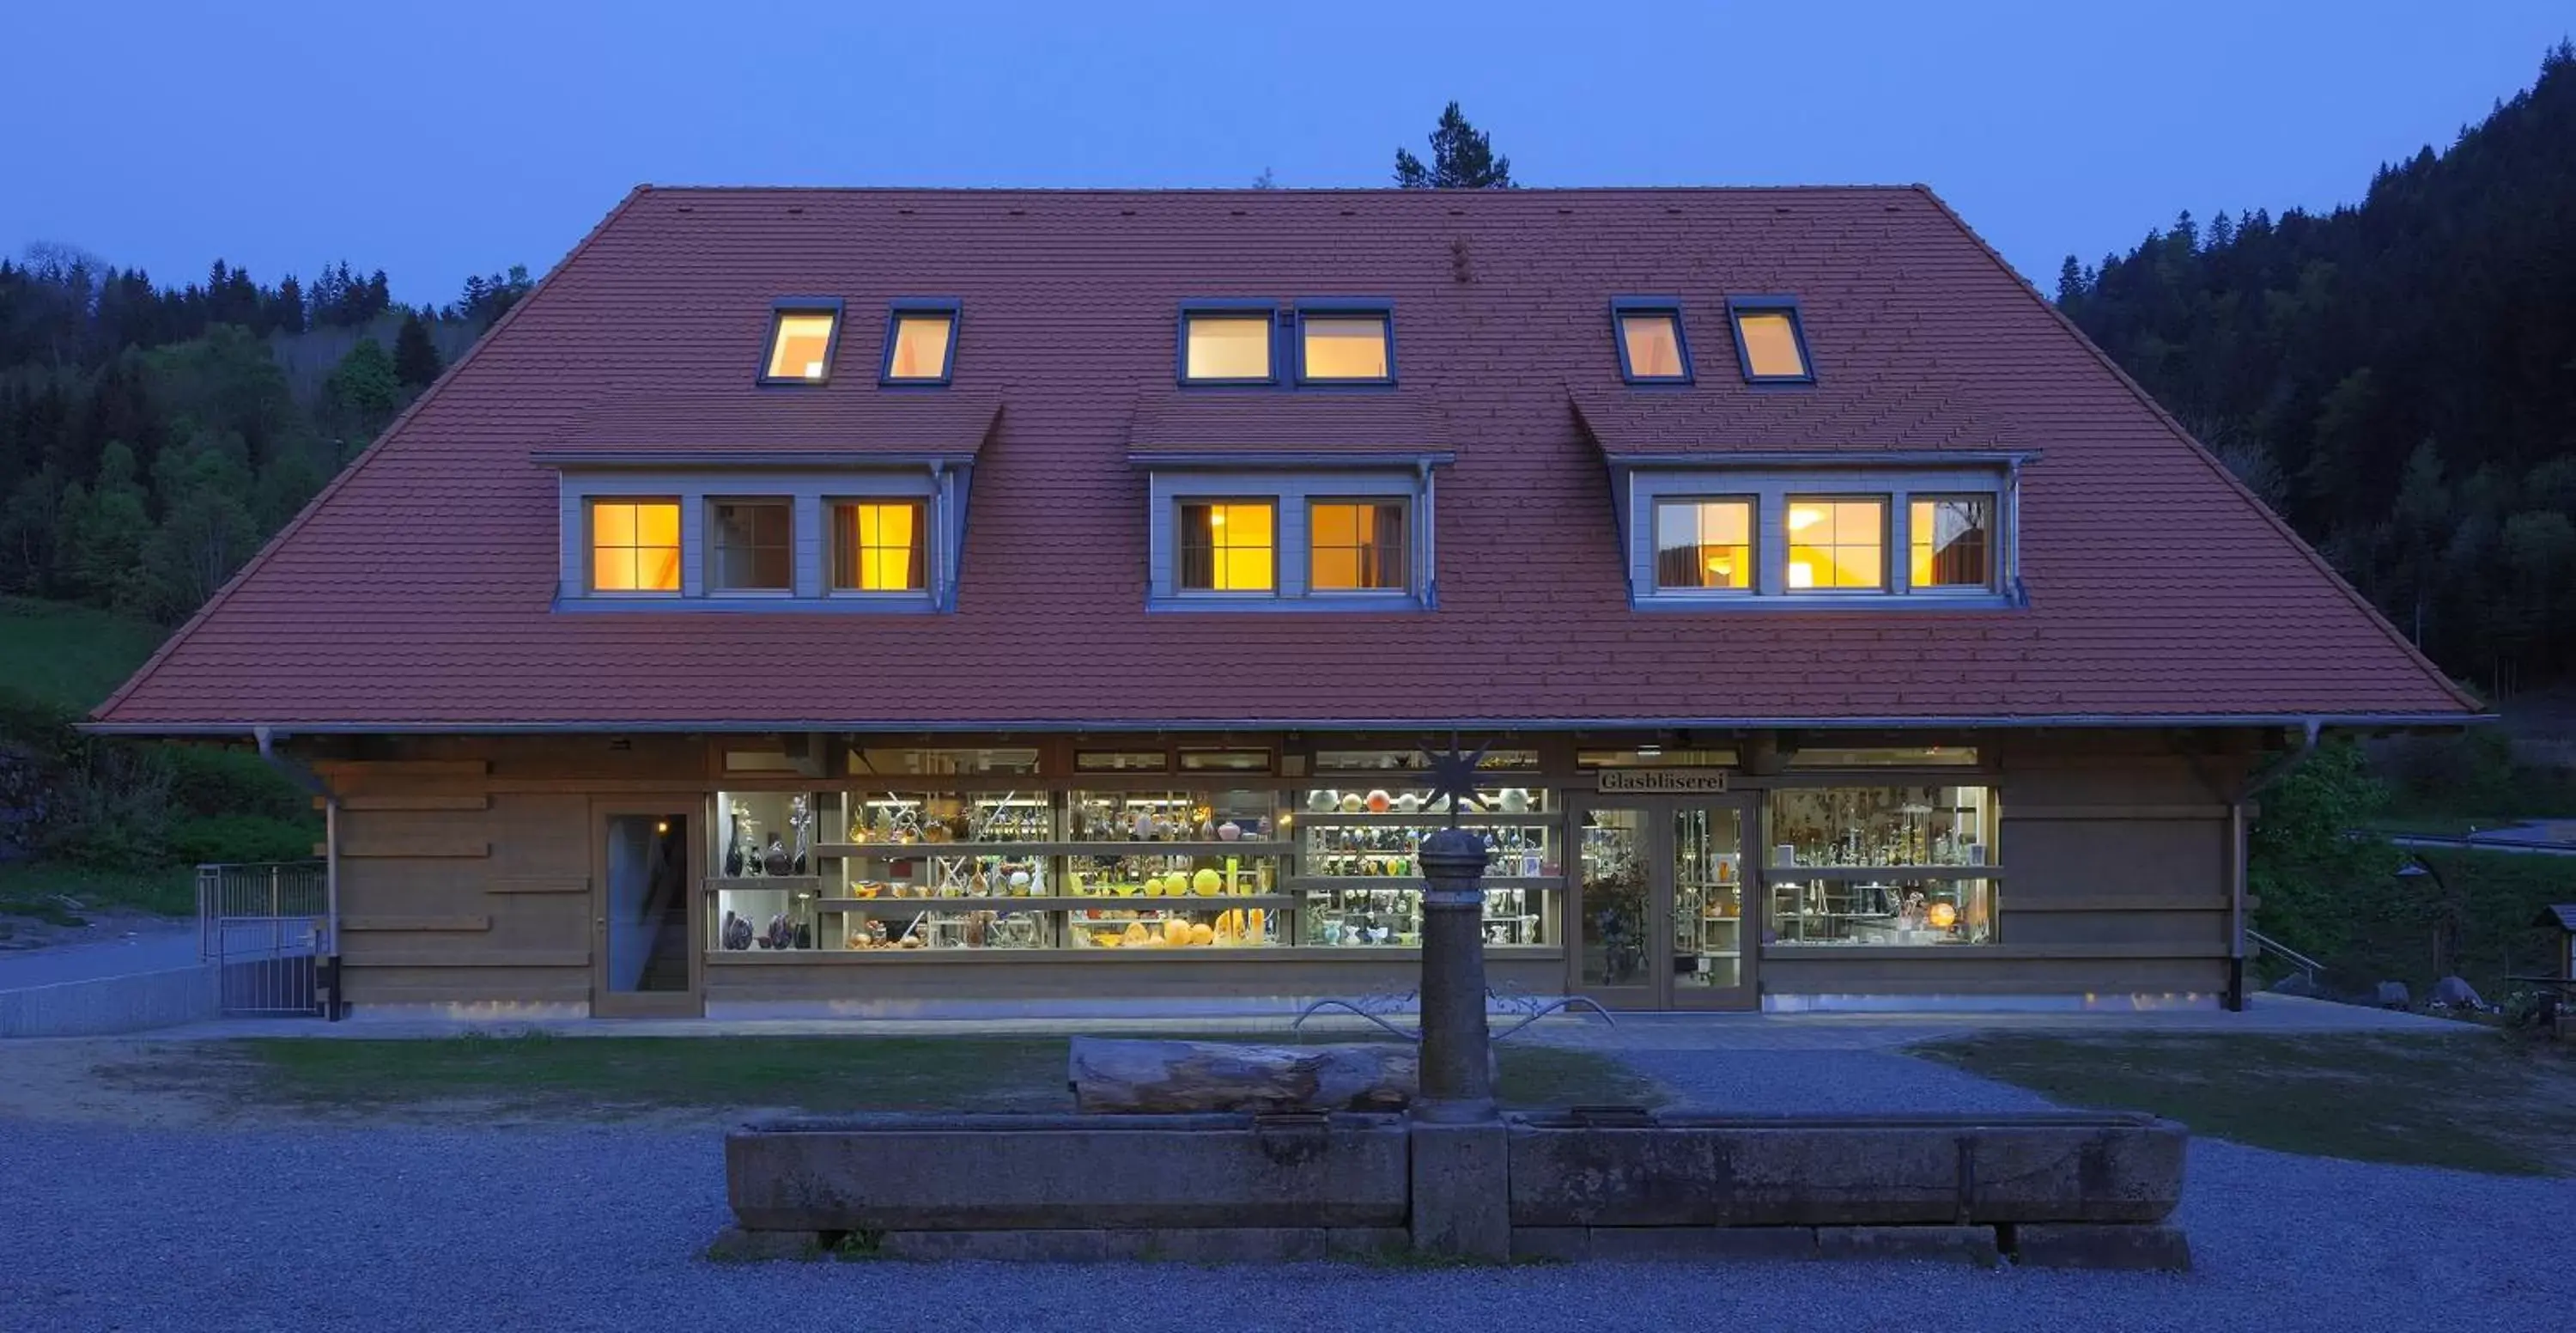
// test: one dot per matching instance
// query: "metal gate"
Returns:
(264, 930)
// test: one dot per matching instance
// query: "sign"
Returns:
(1663, 781)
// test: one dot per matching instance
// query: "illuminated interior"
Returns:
(635, 546)
(1345, 347)
(1356, 546)
(1654, 345)
(1952, 541)
(752, 545)
(801, 349)
(1704, 544)
(1837, 544)
(920, 347)
(1229, 546)
(1770, 339)
(1229, 347)
(878, 546)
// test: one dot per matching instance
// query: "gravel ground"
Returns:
(564, 1230)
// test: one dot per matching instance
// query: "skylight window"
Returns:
(1769, 340)
(1652, 349)
(800, 342)
(921, 341)
(1223, 344)
(1345, 346)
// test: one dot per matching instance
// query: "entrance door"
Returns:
(646, 946)
(1660, 908)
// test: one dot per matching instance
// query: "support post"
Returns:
(1457, 1078)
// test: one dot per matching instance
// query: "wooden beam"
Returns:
(413, 845)
(393, 923)
(404, 768)
(2082, 813)
(537, 884)
(475, 958)
(400, 801)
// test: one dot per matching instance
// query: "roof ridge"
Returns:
(969, 191)
(270, 548)
(2208, 459)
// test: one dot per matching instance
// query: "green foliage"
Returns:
(2323, 888)
(69, 657)
(207, 528)
(1462, 158)
(228, 839)
(416, 362)
(207, 782)
(362, 395)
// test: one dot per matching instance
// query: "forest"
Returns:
(2396, 377)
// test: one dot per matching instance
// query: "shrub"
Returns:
(227, 839)
(208, 782)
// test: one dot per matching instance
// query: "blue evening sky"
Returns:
(460, 136)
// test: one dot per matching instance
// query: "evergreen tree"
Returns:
(416, 363)
(1462, 158)
(361, 395)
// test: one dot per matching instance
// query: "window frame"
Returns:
(1737, 307)
(1403, 506)
(779, 310)
(713, 546)
(590, 547)
(1180, 546)
(1223, 308)
(1774, 481)
(896, 310)
(1994, 502)
(1670, 306)
(925, 541)
(1341, 307)
(1886, 500)
(1753, 509)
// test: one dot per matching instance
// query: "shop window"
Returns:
(1837, 543)
(1228, 546)
(921, 340)
(800, 343)
(1655, 756)
(635, 546)
(1222, 344)
(751, 546)
(1890, 866)
(1348, 347)
(1885, 756)
(1356, 546)
(1651, 346)
(1769, 341)
(1121, 761)
(880, 546)
(1224, 761)
(1413, 760)
(1952, 537)
(942, 761)
(1704, 545)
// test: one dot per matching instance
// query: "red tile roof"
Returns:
(1336, 422)
(415, 591)
(748, 419)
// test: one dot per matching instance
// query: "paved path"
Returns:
(152, 949)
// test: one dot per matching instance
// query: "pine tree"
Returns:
(1462, 158)
(416, 363)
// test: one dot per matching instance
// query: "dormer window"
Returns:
(1953, 541)
(1343, 344)
(1769, 341)
(1228, 343)
(635, 546)
(879, 546)
(1652, 349)
(1837, 543)
(1704, 544)
(1229, 546)
(921, 342)
(801, 336)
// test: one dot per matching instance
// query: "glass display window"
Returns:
(942, 761)
(1359, 862)
(764, 880)
(1898, 865)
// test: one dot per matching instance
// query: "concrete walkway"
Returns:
(158, 949)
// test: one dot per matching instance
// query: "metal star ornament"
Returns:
(1453, 775)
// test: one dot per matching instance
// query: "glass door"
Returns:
(1660, 905)
(1712, 954)
(1615, 945)
(645, 947)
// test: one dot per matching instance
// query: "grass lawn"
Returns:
(70, 656)
(2492, 1102)
(541, 1073)
(2436, 826)
(36, 889)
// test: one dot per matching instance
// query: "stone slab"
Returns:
(1693, 1169)
(1971, 1244)
(1461, 1197)
(894, 1173)
(2080, 1245)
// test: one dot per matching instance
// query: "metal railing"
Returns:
(264, 929)
(2264, 944)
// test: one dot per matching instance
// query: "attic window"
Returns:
(921, 341)
(635, 546)
(1652, 349)
(1227, 343)
(1769, 341)
(1344, 345)
(801, 335)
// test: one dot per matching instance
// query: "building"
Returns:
(884, 601)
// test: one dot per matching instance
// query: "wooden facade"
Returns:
(470, 878)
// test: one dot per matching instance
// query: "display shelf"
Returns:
(907, 851)
(915, 906)
(1328, 883)
(775, 883)
(1421, 819)
(1793, 874)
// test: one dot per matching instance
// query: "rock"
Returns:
(2297, 983)
(1126, 1077)
(2457, 994)
(2394, 995)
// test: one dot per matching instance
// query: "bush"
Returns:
(209, 782)
(229, 839)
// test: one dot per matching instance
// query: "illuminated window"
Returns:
(634, 546)
(750, 546)
(1218, 346)
(920, 342)
(880, 546)
(1952, 537)
(1837, 543)
(800, 345)
(1651, 345)
(1355, 546)
(1349, 347)
(1229, 546)
(1769, 340)
(1704, 544)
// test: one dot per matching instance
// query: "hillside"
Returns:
(71, 657)
(2397, 377)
